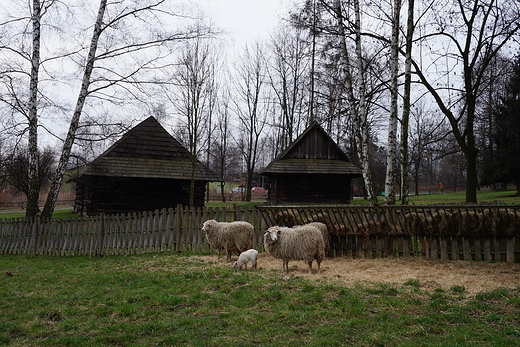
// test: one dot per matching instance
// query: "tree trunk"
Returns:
(363, 117)
(405, 185)
(471, 176)
(358, 109)
(34, 185)
(74, 123)
(391, 165)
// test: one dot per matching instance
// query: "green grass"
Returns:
(455, 197)
(427, 199)
(180, 300)
(59, 213)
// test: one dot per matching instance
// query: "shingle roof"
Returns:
(312, 166)
(148, 151)
(313, 152)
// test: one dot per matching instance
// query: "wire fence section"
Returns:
(478, 232)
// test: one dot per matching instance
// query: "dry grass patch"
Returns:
(476, 277)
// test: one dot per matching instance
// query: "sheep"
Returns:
(303, 243)
(231, 237)
(322, 227)
(248, 256)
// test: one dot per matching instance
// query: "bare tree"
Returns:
(288, 76)
(407, 103)
(391, 159)
(472, 34)
(220, 149)
(358, 106)
(27, 103)
(17, 166)
(129, 46)
(194, 98)
(251, 107)
(425, 136)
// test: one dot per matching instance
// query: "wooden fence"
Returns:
(437, 232)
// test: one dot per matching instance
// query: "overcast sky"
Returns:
(245, 20)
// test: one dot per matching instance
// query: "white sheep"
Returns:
(322, 227)
(248, 256)
(231, 237)
(303, 243)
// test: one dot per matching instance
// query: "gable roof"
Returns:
(148, 151)
(313, 152)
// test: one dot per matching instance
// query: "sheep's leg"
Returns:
(310, 267)
(319, 262)
(285, 266)
(229, 256)
(253, 264)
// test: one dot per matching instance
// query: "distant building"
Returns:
(146, 169)
(312, 170)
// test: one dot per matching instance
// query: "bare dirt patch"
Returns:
(476, 277)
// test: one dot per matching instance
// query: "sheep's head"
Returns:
(235, 265)
(207, 225)
(273, 233)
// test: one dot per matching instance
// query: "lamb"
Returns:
(231, 237)
(303, 243)
(324, 232)
(248, 256)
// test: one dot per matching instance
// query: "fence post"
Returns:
(101, 235)
(179, 228)
(35, 234)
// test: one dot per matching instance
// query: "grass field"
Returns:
(437, 198)
(184, 300)
(483, 196)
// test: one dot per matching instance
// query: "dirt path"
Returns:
(474, 276)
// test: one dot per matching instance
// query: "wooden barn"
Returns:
(312, 170)
(146, 169)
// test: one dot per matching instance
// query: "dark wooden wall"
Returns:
(96, 194)
(315, 145)
(310, 189)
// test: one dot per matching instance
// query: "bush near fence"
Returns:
(438, 232)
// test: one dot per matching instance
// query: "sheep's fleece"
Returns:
(248, 256)
(302, 243)
(231, 237)
(324, 231)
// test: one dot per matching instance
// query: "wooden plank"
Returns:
(477, 241)
(360, 241)
(516, 249)
(444, 247)
(379, 249)
(399, 246)
(487, 248)
(434, 249)
(502, 248)
(466, 249)
(454, 248)
(510, 253)
(496, 249)
(423, 246)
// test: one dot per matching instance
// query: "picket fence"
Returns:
(178, 229)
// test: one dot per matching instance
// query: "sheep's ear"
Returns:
(278, 231)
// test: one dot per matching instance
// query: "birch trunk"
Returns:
(391, 165)
(359, 112)
(32, 116)
(405, 183)
(74, 123)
